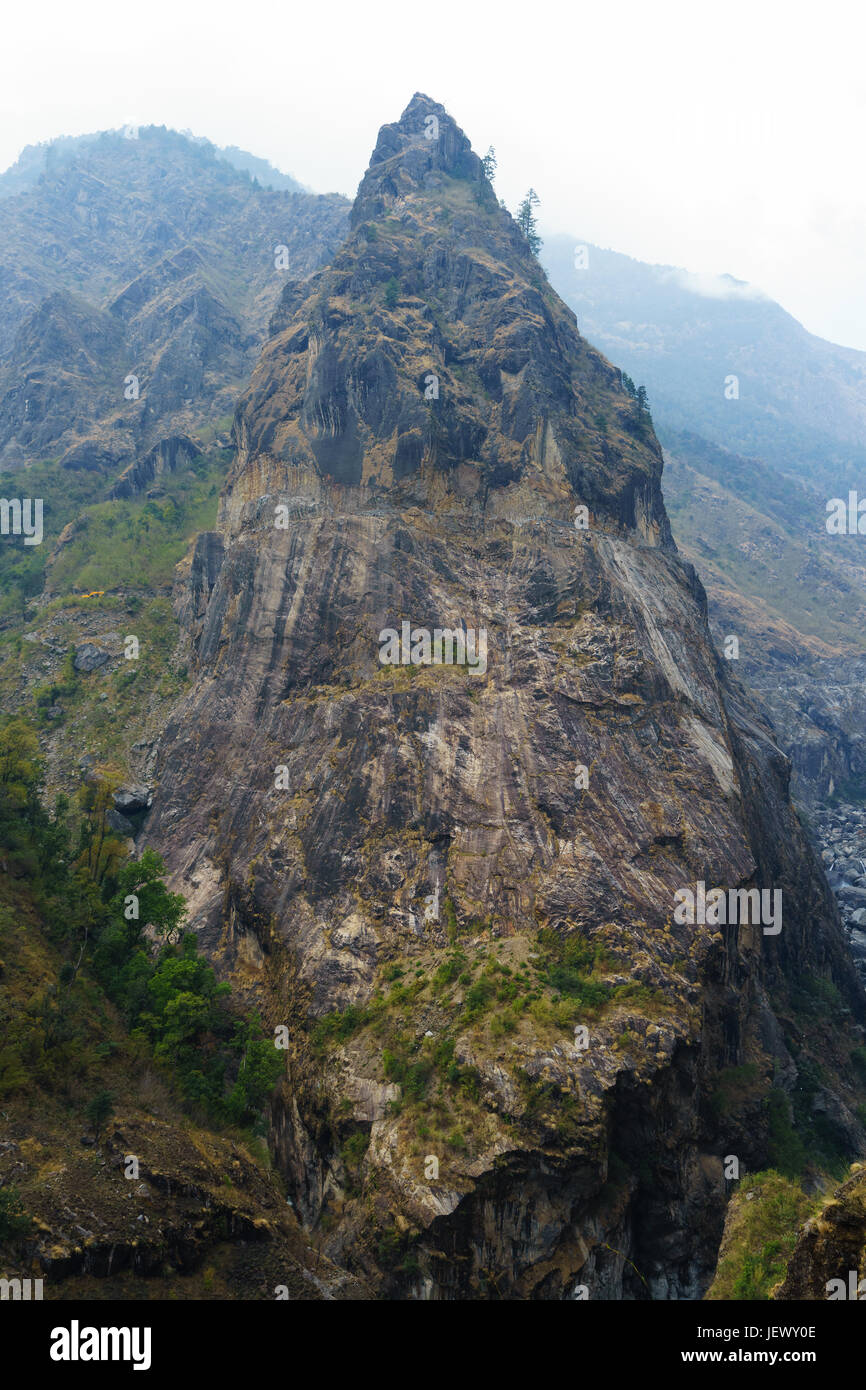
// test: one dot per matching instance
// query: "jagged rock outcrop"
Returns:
(829, 1258)
(456, 870)
(164, 457)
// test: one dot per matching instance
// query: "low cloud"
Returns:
(710, 286)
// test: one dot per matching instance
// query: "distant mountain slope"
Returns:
(137, 278)
(47, 157)
(747, 479)
(174, 253)
(802, 401)
(260, 170)
(774, 574)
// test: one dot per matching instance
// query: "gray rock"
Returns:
(836, 1113)
(89, 657)
(135, 797)
(119, 823)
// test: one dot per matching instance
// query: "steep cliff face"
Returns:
(509, 1070)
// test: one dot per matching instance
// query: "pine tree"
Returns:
(642, 402)
(488, 164)
(99, 1111)
(526, 221)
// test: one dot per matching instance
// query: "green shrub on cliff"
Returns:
(94, 907)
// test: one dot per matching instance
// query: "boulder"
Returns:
(89, 657)
(134, 797)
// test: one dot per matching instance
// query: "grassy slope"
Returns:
(766, 559)
(128, 549)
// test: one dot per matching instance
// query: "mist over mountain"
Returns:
(800, 402)
(36, 162)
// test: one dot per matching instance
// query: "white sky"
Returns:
(719, 137)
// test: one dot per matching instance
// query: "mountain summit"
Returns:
(456, 753)
(433, 354)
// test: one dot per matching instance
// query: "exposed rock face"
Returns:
(819, 709)
(128, 800)
(422, 427)
(840, 835)
(829, 1259)
(164, 457)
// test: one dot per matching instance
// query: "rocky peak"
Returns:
(506, 839)
(425, 142)
(432, 360)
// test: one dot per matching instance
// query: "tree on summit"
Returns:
(526, 221)
(488, 164)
